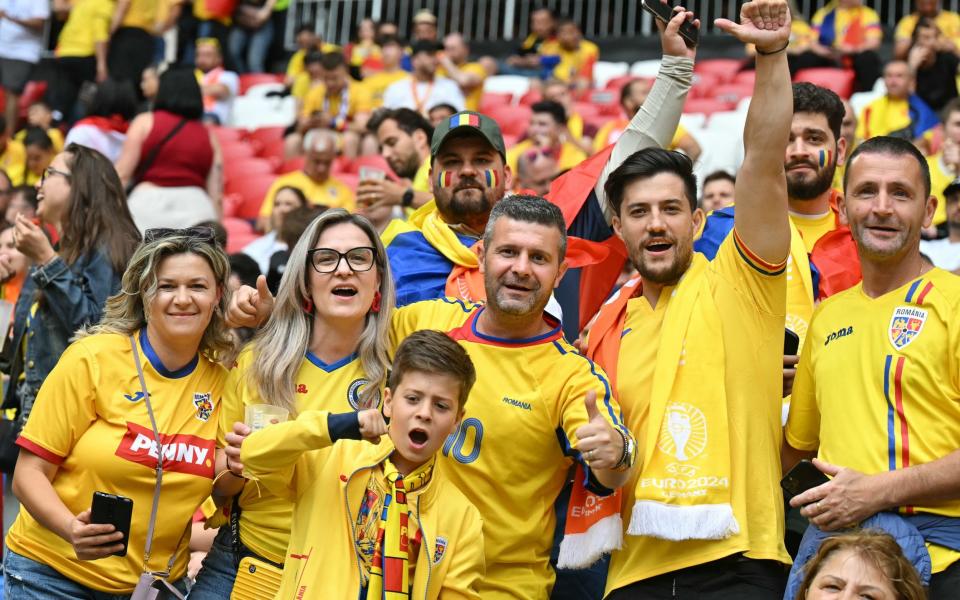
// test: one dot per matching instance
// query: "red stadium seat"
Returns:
(494, 99)
(725, 69)
(707, 106)
(839, 80)
(33, 92)
(512, 119)
(294, 164)
(732, 92)
(266, 135)
(239, 233)
(248, 166)
(586, 110)
(249, 80)
(236, 150)
(530, 98)
(226, 135)
(617, 83)
(374, 162)
(274, 149)
(607, 102)
(349, 179)
(250, 191)
(745, 77)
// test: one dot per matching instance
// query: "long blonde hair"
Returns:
(125, 312)
(280, 346)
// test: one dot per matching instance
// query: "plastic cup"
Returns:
(259, 416)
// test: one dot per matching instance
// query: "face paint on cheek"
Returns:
(491, 177)
(444, 179)
(825, 157)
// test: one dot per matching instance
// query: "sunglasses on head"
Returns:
(202, 234)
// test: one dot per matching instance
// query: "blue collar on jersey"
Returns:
(549, 336)
(329, 368)
(151, 355)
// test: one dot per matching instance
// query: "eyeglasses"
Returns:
(50, 172)
(327, 260)
(202, 234)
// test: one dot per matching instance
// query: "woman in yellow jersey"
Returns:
(324, 347)
(80, 198)
(96, 424)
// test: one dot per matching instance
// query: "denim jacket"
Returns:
(72, 296)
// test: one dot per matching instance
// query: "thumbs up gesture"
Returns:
(599, 443)
(250, 307)
(765, 23)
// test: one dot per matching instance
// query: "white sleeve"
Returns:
(392, 96)
(448, 92)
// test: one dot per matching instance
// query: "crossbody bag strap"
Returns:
(156, 434)
(147, 162)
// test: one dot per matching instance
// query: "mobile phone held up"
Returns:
(663, 11)
(115, 510)
(791, 343)
(802, 477)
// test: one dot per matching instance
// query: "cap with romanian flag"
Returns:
(465, 123)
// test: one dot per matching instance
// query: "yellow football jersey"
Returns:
(516, 441)
(750, 295)
(265, 519)
(91, 421)
(940, 177)
(890, 365)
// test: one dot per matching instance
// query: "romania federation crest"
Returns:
(441, 548)
(905, 325)
(204, 405)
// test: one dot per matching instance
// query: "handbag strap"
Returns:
(147, 162)
(156, 490)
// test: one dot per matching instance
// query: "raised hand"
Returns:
(670, 40)
(764, 23)
(598, 442)
(250, 307)
(372, 425)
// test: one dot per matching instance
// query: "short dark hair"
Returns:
(406, 119)
(563, 21)
(528, 208)
(296, 222)
(305, 27)
(890, 146)
(433, 353)
(314, 57)
(428, 46)
(29, 194)
(718, 176)
(36, 136)
(444, 106)
(245, 268)
(647, 163)
(114, 98)
(950, 108)
(554, 109)
(810, 98)
(385, 40)
(219, 232)
(625, 90)
(332, 60)
(179, 93)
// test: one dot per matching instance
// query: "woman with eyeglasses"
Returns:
(324, 347)
(80, 199)
(148, 371)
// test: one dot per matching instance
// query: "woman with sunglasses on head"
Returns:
(324, 347)
(148, 372)
(80, 198)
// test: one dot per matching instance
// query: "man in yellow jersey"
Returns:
(314, 180)
(373, 86)
(718, 191)
(945, 164)
(455, 64)
(541, 40)
(947, 21)
(404, 136)
(333, 102)
(899, 112)
(875, 398)
(548, 133)
(307, 41)
(694, 350)
(632, 97)
(572, 55)
(851, 34)
(537, 406)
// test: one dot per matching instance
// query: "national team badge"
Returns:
(905, 325)
(441, 548)
(204, 405)
(353, 395)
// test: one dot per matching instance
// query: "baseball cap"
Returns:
(467, 121)
(952, 188)
(425, 16)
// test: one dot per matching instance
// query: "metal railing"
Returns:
(508, 20)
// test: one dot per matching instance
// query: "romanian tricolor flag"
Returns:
(825, 157)
(491, 177)
(445, 179)
(459, 119)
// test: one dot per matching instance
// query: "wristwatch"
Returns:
(407, 200)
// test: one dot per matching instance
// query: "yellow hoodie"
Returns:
(327, 481)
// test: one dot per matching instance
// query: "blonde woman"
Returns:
(324, 347)
(93, 429)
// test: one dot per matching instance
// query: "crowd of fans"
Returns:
(464, 359)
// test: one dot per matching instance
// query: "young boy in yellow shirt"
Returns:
(377, 517)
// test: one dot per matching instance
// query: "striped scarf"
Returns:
(390, 566)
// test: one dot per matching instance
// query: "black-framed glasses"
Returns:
(50, 172)
(202, 234)
(327, 260)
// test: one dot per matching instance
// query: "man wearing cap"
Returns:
(424, 26)
(423, 89)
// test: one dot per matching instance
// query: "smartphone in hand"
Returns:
(802, 477)
(663, 12)
(114, 510)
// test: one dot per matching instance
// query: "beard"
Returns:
(406, 167)
(533, 304)
(469, 203)
(800, 188)
(881, 249)
(662, 272)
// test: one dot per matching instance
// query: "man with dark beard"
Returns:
(404, 136)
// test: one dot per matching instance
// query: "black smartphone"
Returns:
(664, 12)
(802, 477)
(115, 510)
(791, 343)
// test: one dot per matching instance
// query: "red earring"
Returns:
(308, 306)
(375, 307)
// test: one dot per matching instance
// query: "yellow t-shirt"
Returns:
(88, 24)
(471, 100)
(421, 181)
(370, 90)
(13, 161)
(332, 192)
(853, 25)
(884, 116)
(91, 421)
(814, 227)
(570, 155)
(612, 130)
(751, 295)
(317, 100)
(201, 13)
(295, 67)
(265, 518)
(574, 63)
(56, 136)
(513, 448)
(890, 365)
(141, 14)
(940, 178)
(575, 126)
(947, 21)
